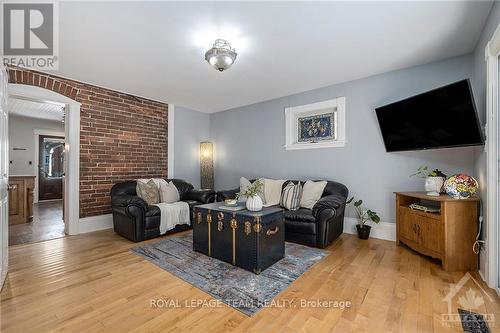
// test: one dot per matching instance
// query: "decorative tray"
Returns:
(232, 208)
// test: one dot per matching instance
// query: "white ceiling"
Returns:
(38, 110)
(156, 49)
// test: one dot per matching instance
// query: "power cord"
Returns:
(476, 247)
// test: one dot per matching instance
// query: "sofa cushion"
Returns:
(290, 196)
(192, 203)
(148, 191)
(302, 214)
(168, 192)
(272, 191)
(152, 222)
(300, 227)
(153, 210)
(311, 193)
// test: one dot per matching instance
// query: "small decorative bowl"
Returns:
(230, 202)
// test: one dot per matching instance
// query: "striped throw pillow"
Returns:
(290, 197)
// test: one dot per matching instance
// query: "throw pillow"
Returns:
(290, 197)
(312, 193)
(169, 192)
(272, 191)
(148, 191)
(244, 183)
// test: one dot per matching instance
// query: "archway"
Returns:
(72, 147)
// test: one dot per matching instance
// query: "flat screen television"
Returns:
(441, 118)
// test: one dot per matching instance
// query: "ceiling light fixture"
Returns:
(221, 56)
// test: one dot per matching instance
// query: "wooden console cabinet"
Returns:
(448, 235)
(21, 199)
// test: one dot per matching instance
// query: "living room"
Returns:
(228, 171)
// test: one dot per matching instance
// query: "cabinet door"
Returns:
(430, 234)
(406, 225)
(14, 208)
(16, 202)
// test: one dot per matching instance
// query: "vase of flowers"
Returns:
(252, 193)
(434, 180)
(364, 215)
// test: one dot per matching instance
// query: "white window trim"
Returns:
(492, 54)
(292, 113)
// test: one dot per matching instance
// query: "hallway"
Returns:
(47, 224)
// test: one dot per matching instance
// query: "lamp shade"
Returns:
(207, 165)
(221, 56)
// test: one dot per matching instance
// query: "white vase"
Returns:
(433, 185)
(254, 203)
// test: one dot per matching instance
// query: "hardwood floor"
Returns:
(47, 224)
(93, 283)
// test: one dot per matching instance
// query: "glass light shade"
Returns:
(221, 56)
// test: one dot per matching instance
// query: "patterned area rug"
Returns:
(234, 286)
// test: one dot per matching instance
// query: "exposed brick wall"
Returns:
(122, 137)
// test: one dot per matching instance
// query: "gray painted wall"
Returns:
(21, 136)
(190, 128)
(250, 139)
(479, 87)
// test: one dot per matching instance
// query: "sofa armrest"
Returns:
(335, 202)
(203, 196)
(229, 194)
(128, 200)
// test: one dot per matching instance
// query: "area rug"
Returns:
(236, 287)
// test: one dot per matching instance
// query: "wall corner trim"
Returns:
(170, 140)
(382, 230)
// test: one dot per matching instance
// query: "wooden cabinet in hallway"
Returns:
(21, 199)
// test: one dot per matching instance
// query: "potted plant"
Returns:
(254, 201)
(434, 180)
(364, 215)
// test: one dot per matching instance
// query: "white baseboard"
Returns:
(382, 230)
(95, 223)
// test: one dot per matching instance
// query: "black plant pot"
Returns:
(363, 231)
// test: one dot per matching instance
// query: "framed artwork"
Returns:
(317, 125)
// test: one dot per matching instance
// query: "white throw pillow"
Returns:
(272, 191)
(311, 193)
(169, 192)
(244, 183)
(290, 198)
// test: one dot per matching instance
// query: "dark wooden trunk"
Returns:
(250, 240)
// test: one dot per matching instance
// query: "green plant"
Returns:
(364, 215)
(252, 190)
(423, 172)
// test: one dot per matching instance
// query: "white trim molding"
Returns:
(72, 147)
(382, 230)
(170, 143)
(292, 114)
(492, 54)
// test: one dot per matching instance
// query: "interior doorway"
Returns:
(50, 167)
(36, 170)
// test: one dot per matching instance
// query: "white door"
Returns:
(4, 177)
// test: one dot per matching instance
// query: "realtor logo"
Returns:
(30, 34)
(464, 294)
